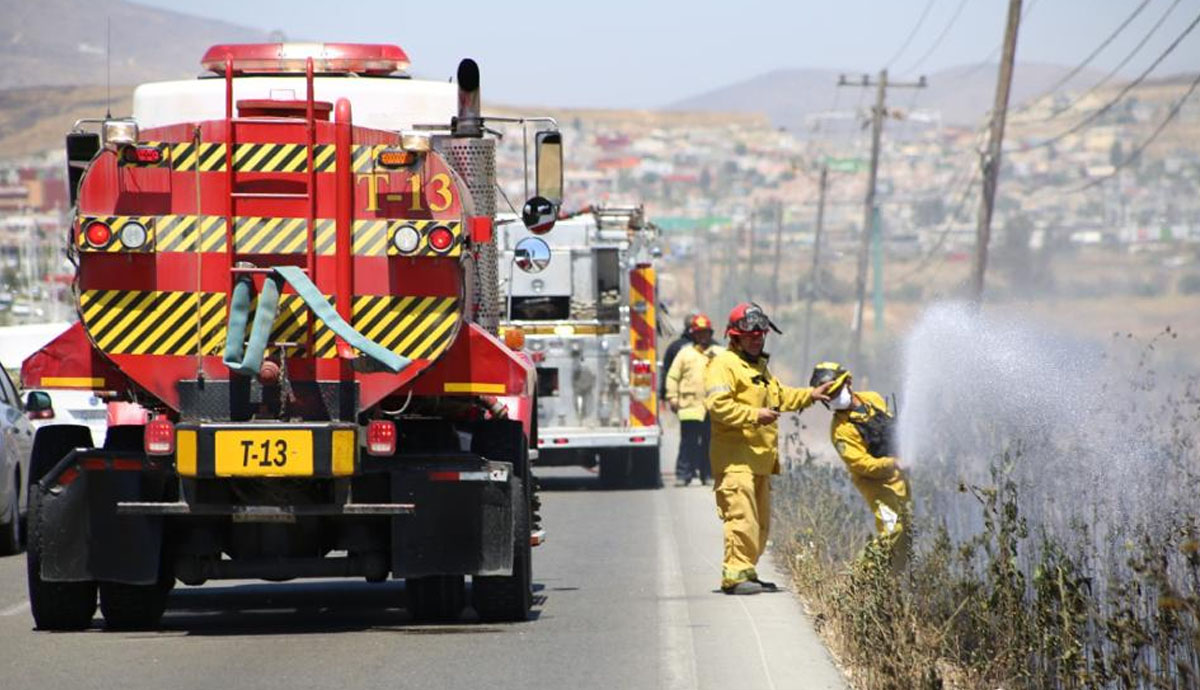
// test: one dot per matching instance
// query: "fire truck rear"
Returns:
(289, 262)
(589, 320)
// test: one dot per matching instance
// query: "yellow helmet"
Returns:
(829, 371)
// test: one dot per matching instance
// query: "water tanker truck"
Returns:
(289, 262)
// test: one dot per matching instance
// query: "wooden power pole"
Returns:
(878, 113)
(991, 159)
(778, 256)
(816, 262)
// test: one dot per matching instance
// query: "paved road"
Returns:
(626, 599)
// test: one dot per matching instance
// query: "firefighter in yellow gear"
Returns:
(744, 401)
(861, 431)
(685, 395)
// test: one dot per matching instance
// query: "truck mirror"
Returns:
(81, 149)
(532, 255)
(539, 215)
(549, 165)
(38, 401)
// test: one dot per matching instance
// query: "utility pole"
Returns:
(878, 113)
(816, 260)
(778, 256)
(991, 159)
(748, 277)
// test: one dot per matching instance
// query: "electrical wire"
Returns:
(1116, 70)
(912, 34)
(1171, 115)
(1103, 44)
(987, 61)
(938, 41)
(1091, 117)
(944, 232)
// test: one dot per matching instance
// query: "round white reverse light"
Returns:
(133, 235)
(406, 239)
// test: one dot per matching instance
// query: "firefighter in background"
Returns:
(862, 433)
(685, 395)
(744, 401)
(669, 355)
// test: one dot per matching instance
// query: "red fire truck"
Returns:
(289, 263)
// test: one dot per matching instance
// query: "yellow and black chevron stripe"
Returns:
(115, 223)
(207, 157)
(412, 327)
(210, 157)
(181, 233)
(272, 235)
(374, 237)
(154, 322)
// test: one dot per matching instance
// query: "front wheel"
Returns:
(55, 605)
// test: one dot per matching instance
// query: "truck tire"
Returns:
(645, 471)
(436, 598)
(10, 519)
(614, 469)
(507, 599)
(55, 605)
(134, 607)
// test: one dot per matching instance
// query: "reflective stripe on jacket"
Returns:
(735, 391)
(685, 381)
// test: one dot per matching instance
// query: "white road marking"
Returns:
(762, 652)
(15, 609)
(678, 669)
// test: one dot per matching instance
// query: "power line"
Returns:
(944, 231)
(1136, 49)
(1091, 117)
(912, 34)
(938, 41)
(1178, 105)
(1103, 44)
(987, 61)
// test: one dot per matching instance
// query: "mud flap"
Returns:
(460, 527)
(84, 539)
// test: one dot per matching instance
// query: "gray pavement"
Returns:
(627, 598)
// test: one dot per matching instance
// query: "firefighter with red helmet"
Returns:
(685, 395)
(744, 401)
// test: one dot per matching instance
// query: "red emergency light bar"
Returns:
(358, 58)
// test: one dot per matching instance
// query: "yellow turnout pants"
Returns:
(887, 499)
(744, 506)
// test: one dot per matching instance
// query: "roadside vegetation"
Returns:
(1052, 556)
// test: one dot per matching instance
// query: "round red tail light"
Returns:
(440, 238)
(98, 234)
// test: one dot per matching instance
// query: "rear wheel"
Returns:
(55, 605)
(509, 598)
(134, 607)
(614, 469)
(645, 472)
(10, 521)
(436, 598)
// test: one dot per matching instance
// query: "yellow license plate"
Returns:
(264, 453)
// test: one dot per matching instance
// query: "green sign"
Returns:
(845, 165)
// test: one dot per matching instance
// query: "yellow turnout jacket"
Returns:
(850, 444)
(735, 391)
(685, 381)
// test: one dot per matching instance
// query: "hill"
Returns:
(62, 42)
(962, 94)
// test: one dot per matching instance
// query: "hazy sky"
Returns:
(643, 53)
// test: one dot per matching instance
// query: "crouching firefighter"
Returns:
(862, 431)
(744, 401)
